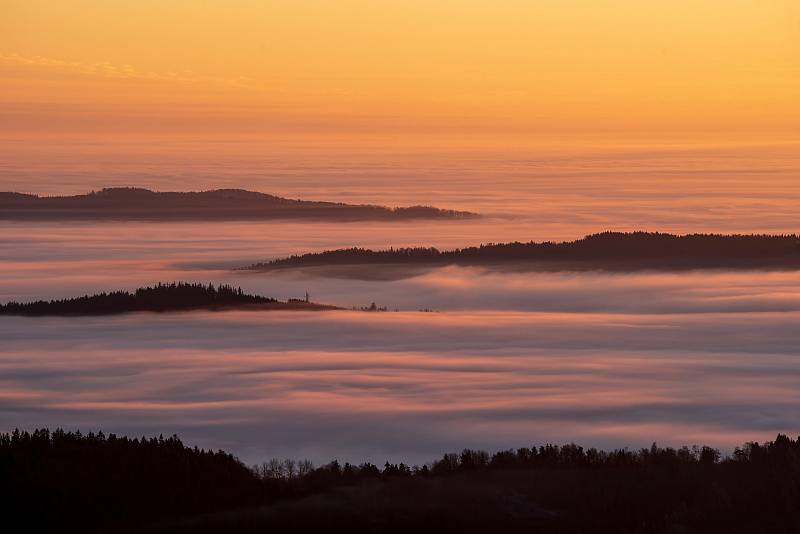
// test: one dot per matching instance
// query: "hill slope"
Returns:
(159, 298)
(609, 250)
(126, 203)
(74, 482)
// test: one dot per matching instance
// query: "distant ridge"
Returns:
(178, 296)
(130, 203)
(606, 251)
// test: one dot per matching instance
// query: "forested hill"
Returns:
(128, 203)
(92, 482)
(160, 298)
(608, 250)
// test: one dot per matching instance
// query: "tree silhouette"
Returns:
(74, 482)
(159, 298)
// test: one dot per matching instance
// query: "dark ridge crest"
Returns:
(133, 203)
(176, 296)
(606, 250)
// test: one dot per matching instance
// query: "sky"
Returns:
(452, 72)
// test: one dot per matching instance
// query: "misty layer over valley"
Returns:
(601, 357)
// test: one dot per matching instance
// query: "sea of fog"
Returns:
(505, 359)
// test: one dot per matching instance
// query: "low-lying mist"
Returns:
(407, 385)
(506, 359)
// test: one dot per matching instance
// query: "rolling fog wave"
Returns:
(406, 385)
(507, 359)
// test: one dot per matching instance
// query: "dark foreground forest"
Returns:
(178, 296)
(131, 203)
(607, 250)
(71, 482)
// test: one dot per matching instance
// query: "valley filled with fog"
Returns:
(503, 359)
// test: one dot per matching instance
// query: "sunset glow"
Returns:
(518, 70)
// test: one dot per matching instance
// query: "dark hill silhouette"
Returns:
(159, 298)
(128, 203)
(72, 482)
(608, 250)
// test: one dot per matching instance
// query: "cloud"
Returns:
(510, 358)
(406, 385)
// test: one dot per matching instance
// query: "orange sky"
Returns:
(493, 68)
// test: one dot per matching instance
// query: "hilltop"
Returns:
(602, 251)
(159, 298)
(129, 203)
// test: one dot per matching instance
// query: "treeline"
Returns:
(73, 482)
(607, 249)
(174, 296)
(123, 203)
(553, 489)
